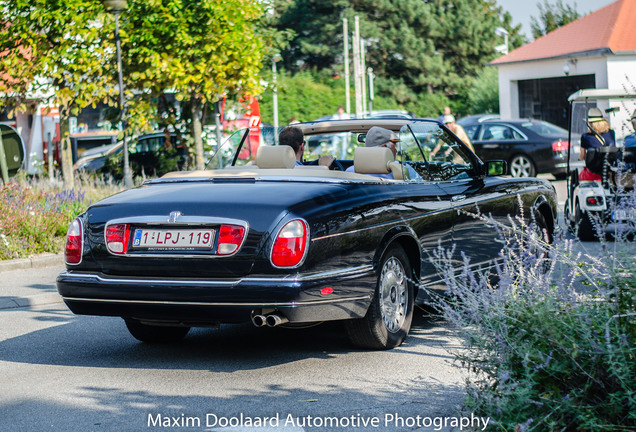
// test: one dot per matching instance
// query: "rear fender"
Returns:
(265, 244)
(591, 189)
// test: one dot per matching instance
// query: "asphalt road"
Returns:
(61, 372)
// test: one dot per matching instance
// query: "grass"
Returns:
(35, 213)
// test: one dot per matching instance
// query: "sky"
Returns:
(523, 10)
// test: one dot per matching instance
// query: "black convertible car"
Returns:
(265, 240)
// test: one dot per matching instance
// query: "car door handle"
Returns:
(457, 198)
(490, 146)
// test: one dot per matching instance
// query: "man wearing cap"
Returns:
(630, 140)
(599, 135)
(449, 121)
(381, 137)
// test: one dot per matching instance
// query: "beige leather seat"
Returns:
(376, 160)
(275, 157)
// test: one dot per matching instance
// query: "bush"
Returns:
(34, 215)
(550, 343)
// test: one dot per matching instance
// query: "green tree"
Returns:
(57, 52)
(483, 96)
(414, 47)
(200, 49)
(552, 16)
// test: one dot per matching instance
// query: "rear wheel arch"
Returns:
(543, 210)
(405, 237)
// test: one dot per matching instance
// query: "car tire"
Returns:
(388, 319)
(155, 334)
(540, 226)
(585, 231)
(522, 166)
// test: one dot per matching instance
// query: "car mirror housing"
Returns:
(495, 168)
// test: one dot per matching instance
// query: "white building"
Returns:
(595, 51)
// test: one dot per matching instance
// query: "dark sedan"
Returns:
(148, 156)
(529, 146)
(273, 242)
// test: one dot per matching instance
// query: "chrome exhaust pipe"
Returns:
(258, 320)
(274, 320)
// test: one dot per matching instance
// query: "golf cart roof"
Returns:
(601, 94)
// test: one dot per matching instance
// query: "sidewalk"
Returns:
(30, 282)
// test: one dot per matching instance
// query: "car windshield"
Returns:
(545, 129)
(240, 147)
(425, 151)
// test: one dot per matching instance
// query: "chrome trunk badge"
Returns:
(174, 216)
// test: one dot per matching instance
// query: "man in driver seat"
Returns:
(293, 137)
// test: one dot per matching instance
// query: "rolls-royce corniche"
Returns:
(261, 237)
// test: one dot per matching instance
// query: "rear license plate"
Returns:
(173, 238)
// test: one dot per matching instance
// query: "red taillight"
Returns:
(290, 244)
(74, 243)
(594, 201)
(117, 236)
(230, 239)
(560, 145)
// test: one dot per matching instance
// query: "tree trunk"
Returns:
(66, 153)
(197, 114)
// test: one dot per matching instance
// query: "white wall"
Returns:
(510, 74)
(622, 72)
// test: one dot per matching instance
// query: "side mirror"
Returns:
(495, 168)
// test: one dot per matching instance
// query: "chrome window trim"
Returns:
(483, 129)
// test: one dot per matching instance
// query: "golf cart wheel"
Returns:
(586, 230)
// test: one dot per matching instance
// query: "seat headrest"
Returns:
(372, 160)
(275, 157)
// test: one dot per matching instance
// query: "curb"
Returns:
(35, 300)
(46, 260)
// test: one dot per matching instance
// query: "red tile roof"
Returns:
(612, 28)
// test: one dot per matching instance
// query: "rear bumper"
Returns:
(199, 302)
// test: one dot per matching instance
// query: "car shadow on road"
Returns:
(104, 342)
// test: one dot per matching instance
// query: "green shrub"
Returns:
(35, 215)
(550, 344)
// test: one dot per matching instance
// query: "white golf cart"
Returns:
(596, 208)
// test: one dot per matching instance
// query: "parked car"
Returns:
(93, 160)
(147, 155)
(13, 149)
(530, 146)
(267, 241)
(336, 145)
(477, 118)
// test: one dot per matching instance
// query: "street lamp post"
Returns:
(502, 32)
(116, 7)
(275, 60)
